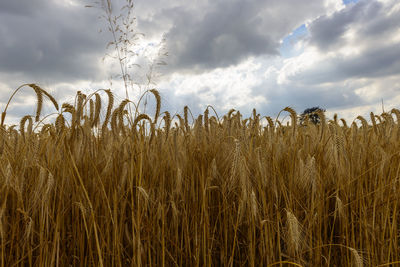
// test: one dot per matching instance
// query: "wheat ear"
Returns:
(139, 118)
(109, 108)
(230, 113)
(91, 111)
(97, 108)
(374, 123)
(39, 94)
(158, 104)
(388, 118)
(79, 107)
(39, 103)
(22, 125)
(357, 258)
(397, 113)
(293, 116)
(181, 122)
(118, 115)
(3, 116)
(185, 116)
(114, 118)
(270, 122)
(49, 96)
(206, 122)
(60, 123)
(47, 128)
(123, 104)
(294, 232)
(167, 121)
(68, 108)
(363, 122)
(344, 122)
(322, 117)
(335, 118)
(121, 113)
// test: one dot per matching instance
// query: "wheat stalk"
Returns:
(39, 91)
(178, 182)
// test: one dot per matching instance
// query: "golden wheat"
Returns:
(211, 192)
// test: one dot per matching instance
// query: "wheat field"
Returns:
(105, 185)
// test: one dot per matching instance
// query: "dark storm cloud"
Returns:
(45, 40)
(376, 62)
(19, 7)
(223, 37)
(373, 25)
(48, 39)
(370, 19)
(326, 31)
(382, 23)
(222, 33)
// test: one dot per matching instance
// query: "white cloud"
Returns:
(333, 6)
(222, 88)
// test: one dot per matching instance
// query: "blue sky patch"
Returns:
(290, 40)
(346, 2)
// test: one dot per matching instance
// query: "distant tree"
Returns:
(312, 115)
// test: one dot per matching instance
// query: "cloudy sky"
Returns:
(343, 56)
